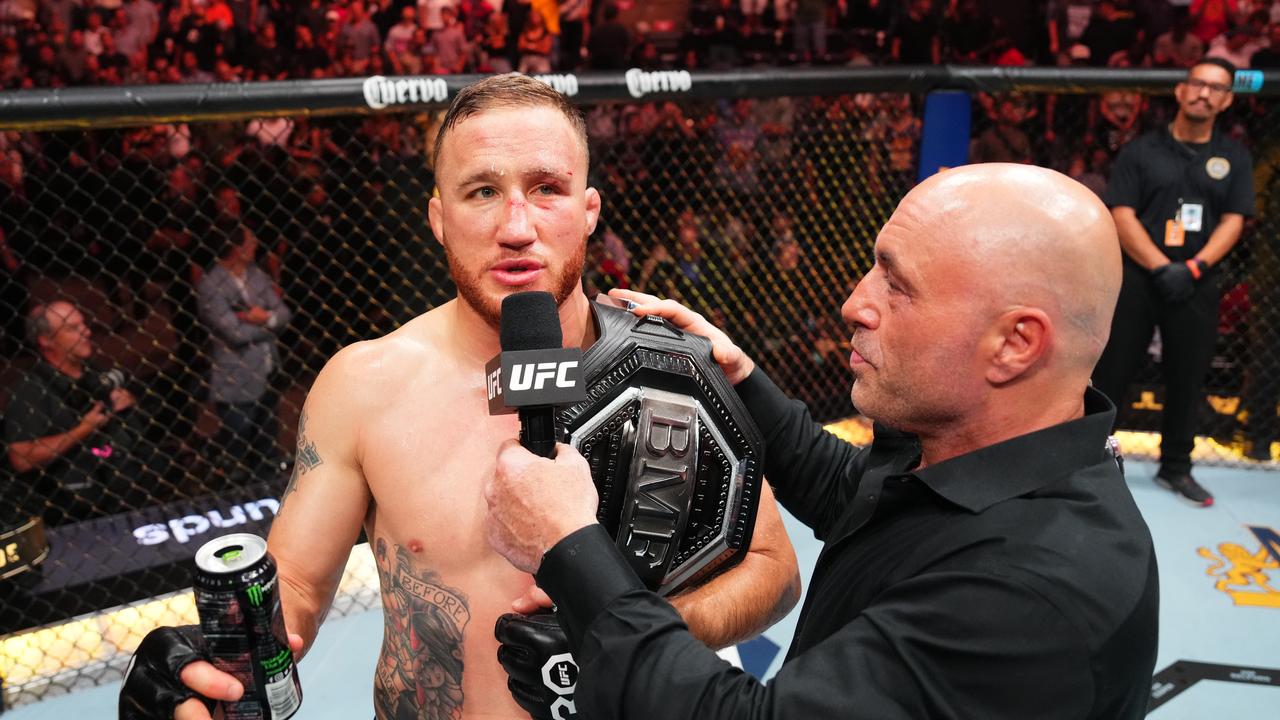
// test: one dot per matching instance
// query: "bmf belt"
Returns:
(675, 456)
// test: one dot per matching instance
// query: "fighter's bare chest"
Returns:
(429, 467)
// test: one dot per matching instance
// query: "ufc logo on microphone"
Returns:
(493, 381)
(534, 376)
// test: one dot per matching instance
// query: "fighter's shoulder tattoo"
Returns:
(420, 672)
(306, 458)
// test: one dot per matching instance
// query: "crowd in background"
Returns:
(742, 208)
(61, 43)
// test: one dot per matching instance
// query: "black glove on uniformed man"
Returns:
(1174, 281)
(541, 674)
(152, 687)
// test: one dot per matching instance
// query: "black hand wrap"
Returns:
(541, 674)
(1174, 282)
(152, 687)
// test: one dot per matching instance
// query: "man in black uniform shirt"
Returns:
(983, 558)
(1179, 196)
(60, 419)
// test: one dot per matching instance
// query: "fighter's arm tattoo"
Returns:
(306, 458)
(419, 676)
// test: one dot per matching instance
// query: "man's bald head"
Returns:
(1028, 236)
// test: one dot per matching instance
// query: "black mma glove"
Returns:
(152, 688)
(1174, 281)
(541, 674)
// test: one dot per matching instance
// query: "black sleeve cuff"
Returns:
(583, 574)
(765, 401)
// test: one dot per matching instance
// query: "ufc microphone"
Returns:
(534, 373)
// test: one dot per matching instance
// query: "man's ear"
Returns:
(1020, 338)
(593, 209)
(435, 216)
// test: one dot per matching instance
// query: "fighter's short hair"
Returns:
(510, 90)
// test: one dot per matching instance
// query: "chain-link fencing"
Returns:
(757, 203)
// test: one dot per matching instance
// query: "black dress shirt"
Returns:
(1018, 581)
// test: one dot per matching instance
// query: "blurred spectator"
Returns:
(141, 26)
(609, 43)
(1088, 169)
(1236, 46)
(1112, 29)
(573, 25)
(266, 58)
(271, 131)
(967, 32)
(601, 273)
(239, 305)
(1269, 56)
(809, 30)
(867, 22)
(494, 54)
(59, 13)
(191, 71)
(719, 24)
(452, 49)
(400, 35)
(1117, 121)
(306, 57)
(1211, 18)
(314, 16)
(429, 13)
(535, 46)
(93, 32)
(359, 37)
(1179, 47)
(896, 131)
(62, 424)
(916, 39)
(1067, 21)
(737, 163)
(1005, 140)
(660, 273)
(475, 15)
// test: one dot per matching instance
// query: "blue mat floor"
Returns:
(1199, 622)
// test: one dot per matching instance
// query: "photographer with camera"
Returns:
(63, 426)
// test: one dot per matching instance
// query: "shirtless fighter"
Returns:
(396, 435)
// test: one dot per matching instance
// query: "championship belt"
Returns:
(22, 547)
(675, 456)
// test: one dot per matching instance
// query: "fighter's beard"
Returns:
(470, 285)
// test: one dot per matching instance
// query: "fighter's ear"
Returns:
(435, 216)
(593, 209)
(1019, 339)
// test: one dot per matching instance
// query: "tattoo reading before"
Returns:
(419, 675)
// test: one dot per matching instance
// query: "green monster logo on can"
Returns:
(255, 594)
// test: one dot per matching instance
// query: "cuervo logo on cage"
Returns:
(641, 83)
(379, 91)
(566, 84)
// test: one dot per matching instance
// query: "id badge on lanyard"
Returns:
(1189, 217)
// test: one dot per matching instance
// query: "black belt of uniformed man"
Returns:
(674, 454)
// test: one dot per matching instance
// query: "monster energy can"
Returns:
(240, 617)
